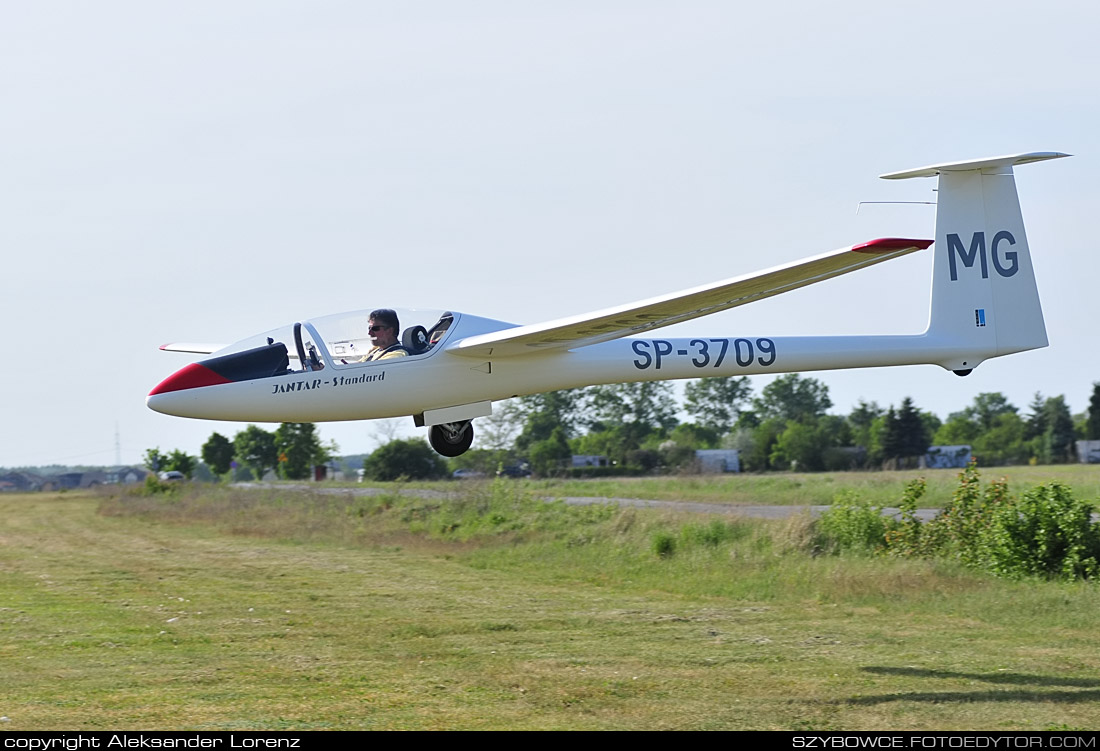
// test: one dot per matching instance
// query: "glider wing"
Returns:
(639, 317)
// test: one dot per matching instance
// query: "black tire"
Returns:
(452, 439)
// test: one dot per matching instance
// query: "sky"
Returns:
(206, 171)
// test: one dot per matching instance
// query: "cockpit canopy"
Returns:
(343, 340)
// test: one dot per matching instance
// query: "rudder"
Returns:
(985, 302)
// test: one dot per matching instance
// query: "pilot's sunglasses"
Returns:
(372, 329)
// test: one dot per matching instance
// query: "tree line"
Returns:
(291, 450)
(786, 426)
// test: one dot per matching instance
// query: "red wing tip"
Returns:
(887, 244)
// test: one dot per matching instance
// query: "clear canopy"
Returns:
(343, 339)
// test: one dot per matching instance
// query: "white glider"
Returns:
(984, 304)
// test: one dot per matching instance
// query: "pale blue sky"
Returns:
(208, 170)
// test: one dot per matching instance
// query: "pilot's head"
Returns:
(384, 327)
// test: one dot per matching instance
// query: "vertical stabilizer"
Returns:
(984, 299)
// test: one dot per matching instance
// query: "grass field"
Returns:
(789, 488)
(229, 609)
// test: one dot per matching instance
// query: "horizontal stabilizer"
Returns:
(977, 164)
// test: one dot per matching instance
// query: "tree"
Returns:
(887, 441)
(802, 446)
(958, 430)
(299, 449)
(1092, 426)
(1058, 440)
(987, 407)
(623, 416)
(716, 402)
(411, 459)
(255, 447)
(756, 451)
(498, 431)
(792, 397)
(860, 420)
(550, 454)
(990, 426)
(154, 460)
(1036, 421)
(903, 433)
(693, 436)
(1004, 442)
(385, 430)
(218, 453)
(647, 403)
(180, 461)
(542, 413)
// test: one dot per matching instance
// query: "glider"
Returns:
(984, 304)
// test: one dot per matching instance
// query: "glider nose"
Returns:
(194, 376)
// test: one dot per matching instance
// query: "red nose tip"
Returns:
(192, 376)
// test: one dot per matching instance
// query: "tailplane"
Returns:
(984, 299)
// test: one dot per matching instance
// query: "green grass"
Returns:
(222, 609)
(792, 488)
(819, 488)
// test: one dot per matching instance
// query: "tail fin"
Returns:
(984, 299)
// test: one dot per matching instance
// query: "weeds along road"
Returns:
(754, 512)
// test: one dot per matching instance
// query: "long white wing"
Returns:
(638, 317)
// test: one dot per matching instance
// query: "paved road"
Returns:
(755, 512)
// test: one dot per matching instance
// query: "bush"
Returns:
(852, 523)
(711, 534)
(154, 486)
(411, 459)
(909, 537)
(1045, 533)
(664, 545)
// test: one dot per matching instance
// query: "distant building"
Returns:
(1088, 452)
(25, 482)
(81, 479)
(28, 482)
(718, 460)
(947, 457)
(124, 476)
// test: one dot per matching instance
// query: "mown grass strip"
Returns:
(223, 609)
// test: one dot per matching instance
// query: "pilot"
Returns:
(384, 328)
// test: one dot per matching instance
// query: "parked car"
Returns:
(513, 471)
(467, 474)
(172, 476)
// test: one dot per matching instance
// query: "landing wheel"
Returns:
(451, 438)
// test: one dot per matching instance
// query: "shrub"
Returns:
(852, 523)
(154, 486)
(710, 534)
(664, 545)
(412, 459)
(908, 537)
(1045, 533)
